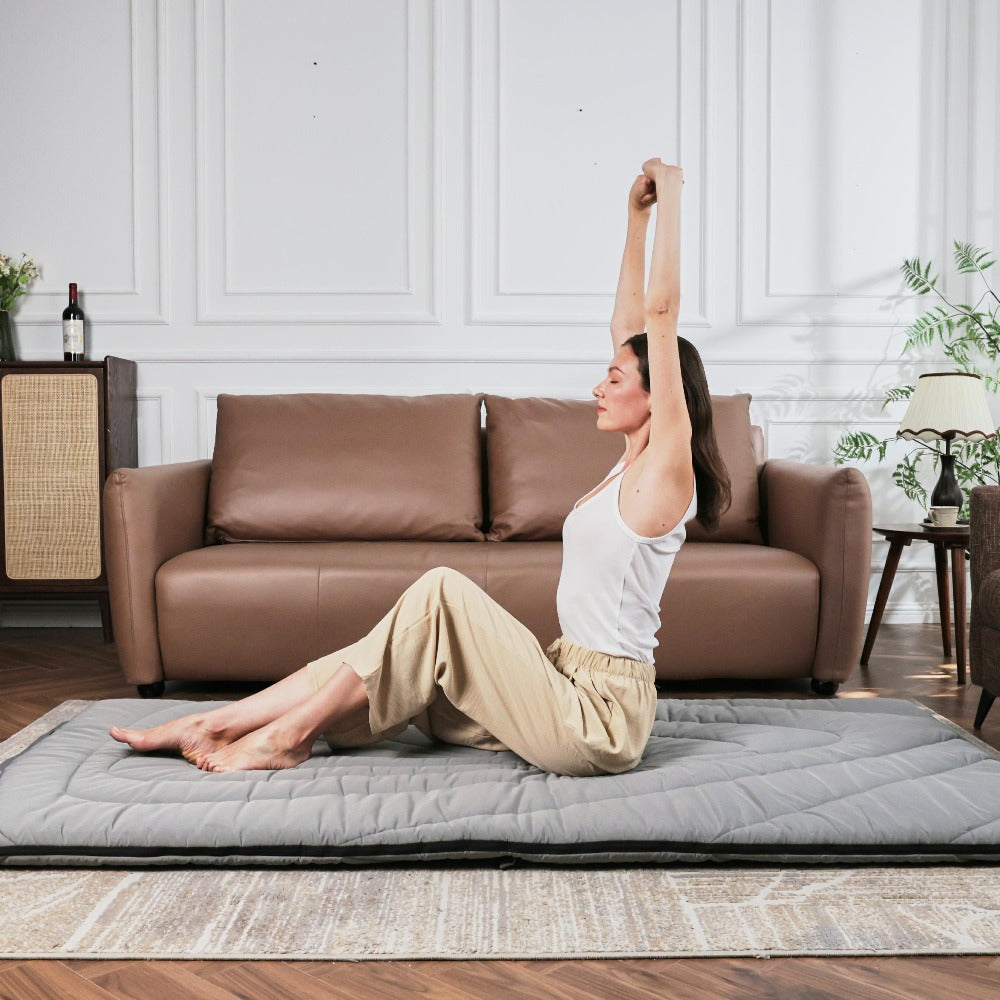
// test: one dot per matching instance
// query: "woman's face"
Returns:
(622, 402)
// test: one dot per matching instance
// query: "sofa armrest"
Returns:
(984, 558)
(150, 516)
(825, 514)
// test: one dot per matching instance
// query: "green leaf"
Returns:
(897, 394)
(970, 259)
(858, 446)
(928, 327)
(917, 278)
(906, 478)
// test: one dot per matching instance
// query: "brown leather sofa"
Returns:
(317, 511)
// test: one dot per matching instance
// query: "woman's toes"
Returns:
(135, 738)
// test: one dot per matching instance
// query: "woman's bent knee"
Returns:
(444, 579)
(442, 574)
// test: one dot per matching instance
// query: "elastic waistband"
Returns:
(564, 651)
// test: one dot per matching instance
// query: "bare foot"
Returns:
(193, 737)
(266, 749)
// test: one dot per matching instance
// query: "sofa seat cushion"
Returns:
(746, 610)
(259, 612)
(544, 454)
(749, 606)
(326, 467)
(522, 577)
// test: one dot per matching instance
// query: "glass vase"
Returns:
(7, 352)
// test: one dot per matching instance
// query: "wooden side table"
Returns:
(954, 540)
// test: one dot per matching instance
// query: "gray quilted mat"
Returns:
(826, 781)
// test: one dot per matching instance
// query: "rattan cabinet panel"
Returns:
(64, 427)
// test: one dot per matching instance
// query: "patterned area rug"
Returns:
(473, 912)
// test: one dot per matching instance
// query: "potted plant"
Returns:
(969, 336)
(14, 281)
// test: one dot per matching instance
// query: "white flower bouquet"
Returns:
(15, 278)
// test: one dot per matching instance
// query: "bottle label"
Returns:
(73, 336)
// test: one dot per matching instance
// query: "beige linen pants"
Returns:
(451, 660)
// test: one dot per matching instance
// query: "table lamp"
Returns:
(947, 405)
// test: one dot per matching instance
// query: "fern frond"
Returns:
(976, 462)
(928, 327)
(905, 477)
(896, 394)
(991, 336)
(859, 446)
(958, 351)
(918, 278)
(969, 259)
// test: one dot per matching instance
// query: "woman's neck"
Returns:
(636, 444)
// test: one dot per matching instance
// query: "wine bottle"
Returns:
(72, 324)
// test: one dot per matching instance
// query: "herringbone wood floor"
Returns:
(39, 668)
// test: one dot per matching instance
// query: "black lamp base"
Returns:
(947, 492)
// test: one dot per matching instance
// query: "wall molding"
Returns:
(292, 356)
(756, 304)
(490, 303)
(218, 300)
(145, 299)
(155, 425)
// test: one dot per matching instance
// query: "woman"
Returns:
(450, 659)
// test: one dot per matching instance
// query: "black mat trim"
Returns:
(496, 847)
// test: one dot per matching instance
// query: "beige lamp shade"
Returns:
(947, 405)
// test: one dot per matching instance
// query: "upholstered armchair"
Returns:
(984, 622)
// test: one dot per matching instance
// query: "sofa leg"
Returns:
(151, 690)
(985, 701)
(825, 689)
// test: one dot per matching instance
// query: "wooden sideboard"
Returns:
(64, 427)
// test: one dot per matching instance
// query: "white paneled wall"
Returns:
(410, 196)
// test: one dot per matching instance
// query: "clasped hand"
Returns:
(656, 178)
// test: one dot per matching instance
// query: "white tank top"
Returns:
(612, 579)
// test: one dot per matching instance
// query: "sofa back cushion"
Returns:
(544, 454)
(740, 454)
(312, 467)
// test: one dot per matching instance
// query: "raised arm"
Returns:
(670, 426)
(629, 315)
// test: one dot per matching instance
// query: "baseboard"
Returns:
(910, 614)
(49, 614)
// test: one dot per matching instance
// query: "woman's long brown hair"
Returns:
(710, 475)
